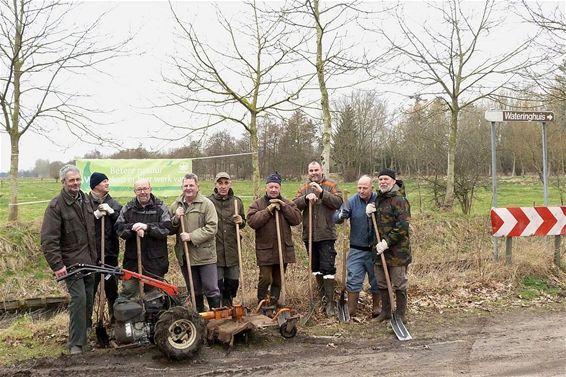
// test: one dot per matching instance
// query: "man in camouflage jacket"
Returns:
(393, 214)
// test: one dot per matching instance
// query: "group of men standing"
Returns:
(209, 226)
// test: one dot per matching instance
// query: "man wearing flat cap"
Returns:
(105, 206)
(393, 213)
(261, 217)
(230, 211)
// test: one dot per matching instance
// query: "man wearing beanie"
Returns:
(261, 217)
(325, 197)
(393, 213)
(107, 207)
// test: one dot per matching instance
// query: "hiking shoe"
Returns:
(76, 350)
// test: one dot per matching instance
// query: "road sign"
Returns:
(519, 116)
(528, 221)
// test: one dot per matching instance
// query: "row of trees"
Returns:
(272, 59)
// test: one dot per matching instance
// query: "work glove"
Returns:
(370, 208)
(138, 226)
(237, 219)
(381, 247)
(105, 207)
(281, 202)
(185, 237)
(273, 206)
(344, 214)
(99, 213)
(312, 196)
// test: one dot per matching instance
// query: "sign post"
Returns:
(494, 116)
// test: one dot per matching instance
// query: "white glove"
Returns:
(370, 208)
(106, 207)
(381, 246)
(138, 226)
(98, 214)
(343, 214)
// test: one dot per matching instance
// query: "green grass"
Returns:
(533, 286)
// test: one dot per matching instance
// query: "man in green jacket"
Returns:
(230, 211)
(68, 237)
(201, 222)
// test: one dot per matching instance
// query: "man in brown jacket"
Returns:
(325, 198)
(261, 217)
(68, 237)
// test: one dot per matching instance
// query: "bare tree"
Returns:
(336, 57)
(550, 78)
(37, 51)
(448, 59)
(256, 73)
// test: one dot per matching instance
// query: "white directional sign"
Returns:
(519, 116)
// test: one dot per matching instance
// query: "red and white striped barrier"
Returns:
(528, 221)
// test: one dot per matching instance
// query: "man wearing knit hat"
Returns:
(261, 217)
(393, 213)
(105, 205)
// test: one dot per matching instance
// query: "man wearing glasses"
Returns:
(145, 216)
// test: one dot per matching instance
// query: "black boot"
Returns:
(222, 290)
(213, 302)
(199, 299)
(329, 293)
(401, 307)
(320, 287)
(230, 291)
(385, 306)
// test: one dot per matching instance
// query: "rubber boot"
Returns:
(329, 293)
(320, 287)
(385, 306)
(222, 289)
(230, 290)
(199, 300)
(213, 302)
(353, 303)
(401, 300)
(376, 305)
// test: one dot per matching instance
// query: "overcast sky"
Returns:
(135, 81)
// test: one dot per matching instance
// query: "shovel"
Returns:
(239, 243)
(312, 307)
(102, 338)
(189, 271)
(140, 267)
(398, 326)
(341, 303)
(281, 264)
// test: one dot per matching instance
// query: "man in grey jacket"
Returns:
(68, 237)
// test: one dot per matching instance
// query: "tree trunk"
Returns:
(324, 101)
(255, 155)
(14, 162)
(449, 198)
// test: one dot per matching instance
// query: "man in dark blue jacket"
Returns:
(362, 237)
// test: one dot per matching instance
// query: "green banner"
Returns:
(164, 174)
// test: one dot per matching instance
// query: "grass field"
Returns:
(511, 192)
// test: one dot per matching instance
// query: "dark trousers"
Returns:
(269, 283)
(205, 279)
(323, 257)
(110, 284)
(80, 309)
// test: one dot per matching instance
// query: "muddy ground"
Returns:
(514, 342)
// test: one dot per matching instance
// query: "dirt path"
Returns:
(520, 342)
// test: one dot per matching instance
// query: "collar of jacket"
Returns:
(267, 198)
(69, 199)
(217, 196)
(152, 201)
(97, 199)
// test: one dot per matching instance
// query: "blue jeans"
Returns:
(359, 263)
